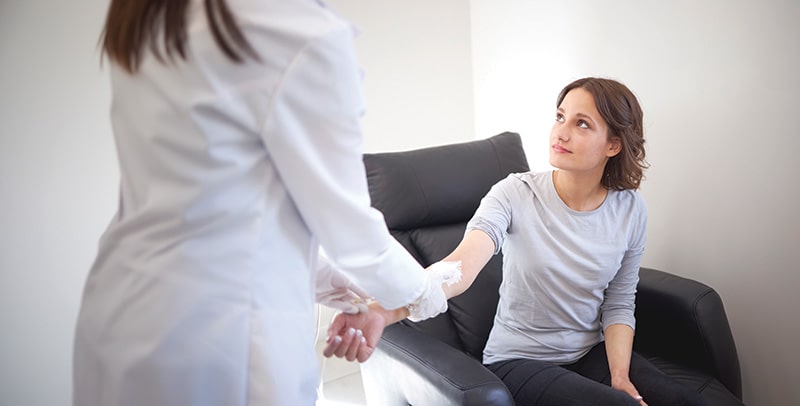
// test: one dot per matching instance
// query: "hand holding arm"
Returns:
(345, 337)
(335, 290)
(473, 252)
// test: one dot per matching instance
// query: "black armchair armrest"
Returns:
(433, 374)
(684, 321)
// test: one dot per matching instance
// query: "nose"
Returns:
(560, 132)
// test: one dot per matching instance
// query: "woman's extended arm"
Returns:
(474, 251)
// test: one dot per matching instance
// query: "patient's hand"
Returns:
(354, 336)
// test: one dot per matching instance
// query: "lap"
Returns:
(540, 383)
(587, 382)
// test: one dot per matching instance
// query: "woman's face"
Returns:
(579, 139)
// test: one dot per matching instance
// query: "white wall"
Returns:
(719, 85)
(58, 178)
(58, 170)
(418, 71)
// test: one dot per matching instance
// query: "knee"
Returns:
(694, 399)
(678, 398)
(627, 400)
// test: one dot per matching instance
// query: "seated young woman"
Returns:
(572, 240)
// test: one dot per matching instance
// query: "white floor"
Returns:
(341, 380)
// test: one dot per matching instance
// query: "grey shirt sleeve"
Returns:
(619, 300)
(493, 216)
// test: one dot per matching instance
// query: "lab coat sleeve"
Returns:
(313, 136)
(335, 290)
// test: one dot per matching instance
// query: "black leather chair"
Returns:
(427, 196)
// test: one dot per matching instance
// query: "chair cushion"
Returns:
(712, 390)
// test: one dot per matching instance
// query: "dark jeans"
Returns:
(588, 382)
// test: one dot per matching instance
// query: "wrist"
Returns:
(619, 377)
(389, 316)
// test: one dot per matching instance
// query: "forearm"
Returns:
(619, 346)
(473, 252)
(389, 316)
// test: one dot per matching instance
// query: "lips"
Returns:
(560, 149)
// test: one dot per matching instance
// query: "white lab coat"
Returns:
(232, 176)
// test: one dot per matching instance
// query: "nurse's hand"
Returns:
(354, 336)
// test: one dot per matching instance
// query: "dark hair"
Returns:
(133, 24)
(620, 109)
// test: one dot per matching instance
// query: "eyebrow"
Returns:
(586, 116)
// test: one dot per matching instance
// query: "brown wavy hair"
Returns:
(132, 25)
(621, 110)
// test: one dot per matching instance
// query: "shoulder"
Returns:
(631, 210)
(295, 22)
(518, 188)
(521, 183)
(530, 180)
(288, 36)
(310, 52)
(637, 200)
(630, 202)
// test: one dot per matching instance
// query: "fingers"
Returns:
(347, 345)
(347, 342)
(344, 346)
(354, 337)
(627, 386)
(364, 352)
(356, 341)
(356, 347)
(333, 344)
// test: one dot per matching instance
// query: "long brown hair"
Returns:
(621, 110)
(131, 25)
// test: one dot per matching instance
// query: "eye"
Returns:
(559, 117)
(583, 124)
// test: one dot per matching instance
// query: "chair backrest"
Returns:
(427, 196)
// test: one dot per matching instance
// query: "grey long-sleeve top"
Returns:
(567, 275)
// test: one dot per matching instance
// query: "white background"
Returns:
(717, 79)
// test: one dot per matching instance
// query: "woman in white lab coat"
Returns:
(237, 131)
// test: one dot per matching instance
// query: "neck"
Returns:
(580, 192)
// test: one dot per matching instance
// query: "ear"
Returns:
(614, 146)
